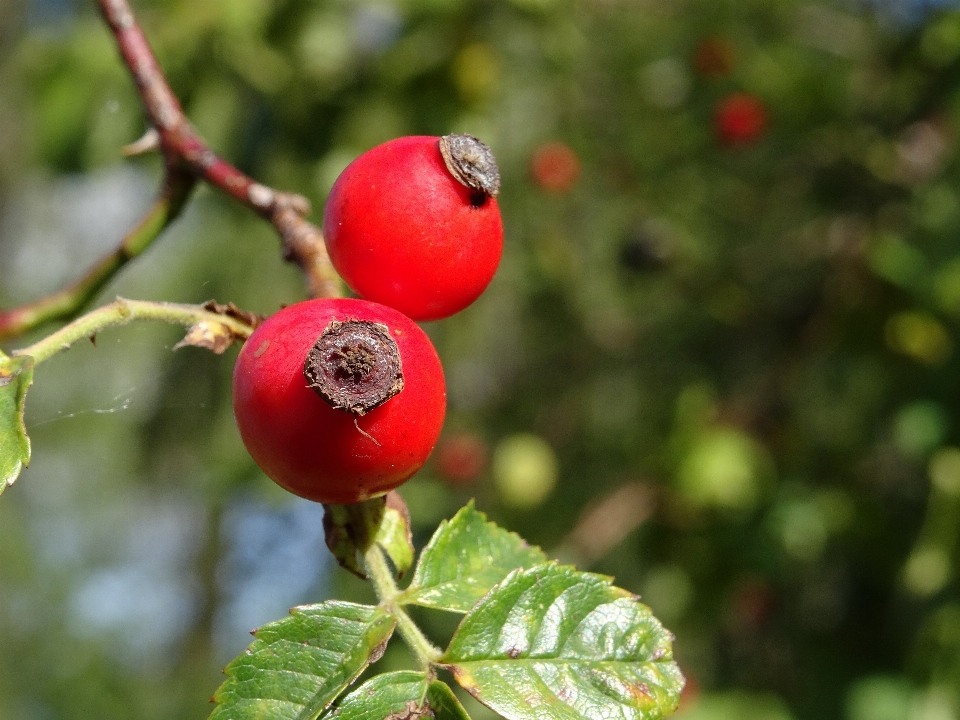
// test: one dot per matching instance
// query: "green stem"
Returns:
(387, 591)
(69, 301)
(122, 311)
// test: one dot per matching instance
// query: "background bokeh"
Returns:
(720, 363)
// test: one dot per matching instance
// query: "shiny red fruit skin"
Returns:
(740, 119)
(402, 231)
(304, 444)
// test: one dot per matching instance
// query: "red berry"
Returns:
(402, 230)
(740, 119)
(374, 364)
(461, 458)
(754, 602)
(555, 167)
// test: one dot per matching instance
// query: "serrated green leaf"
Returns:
(444, 703)
(403, 695)
(297, 666)
(552, 643)
(466, 556)
(16, 375)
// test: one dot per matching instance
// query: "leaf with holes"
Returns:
(466, 556)
(297, 666)
(403, 695)
(552, 643)
(16, 375)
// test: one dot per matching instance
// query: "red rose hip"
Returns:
(339, 400)
(740, 119)
(414, 224)
(555, 167)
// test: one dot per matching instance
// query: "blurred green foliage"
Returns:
(762, 339)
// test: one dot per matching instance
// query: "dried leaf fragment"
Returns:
(210, 335)
(232, 311)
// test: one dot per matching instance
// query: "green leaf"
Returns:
(297, 666)
(403, 695)
(393, 534)
(16, 375)
(552, 643)
(384, 520)
(464, 559)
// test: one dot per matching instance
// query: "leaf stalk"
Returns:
(387, 591)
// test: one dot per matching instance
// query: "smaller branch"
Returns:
(605, 524)
(182, 145)
(121, 312)
(187, 158)
(386, 588)
(71, 300)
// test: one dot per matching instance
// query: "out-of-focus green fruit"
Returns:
(726, 468)
(525, 470)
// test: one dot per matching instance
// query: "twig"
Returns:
(187, 158)
(604, 525)
(120, 312)
(180, 143)
(69, 301)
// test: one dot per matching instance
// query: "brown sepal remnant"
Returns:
(471, 162)
(354, 366)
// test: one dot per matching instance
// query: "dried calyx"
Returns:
(471, 162)
(354, 366)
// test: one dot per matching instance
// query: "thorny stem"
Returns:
(122, 311)
(387, 591)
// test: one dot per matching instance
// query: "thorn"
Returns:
(148, 143)
(93, 339)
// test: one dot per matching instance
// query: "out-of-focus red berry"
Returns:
(714, 58)
(740, 119)
(753, 603)
(461, 458)
(555, 167)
